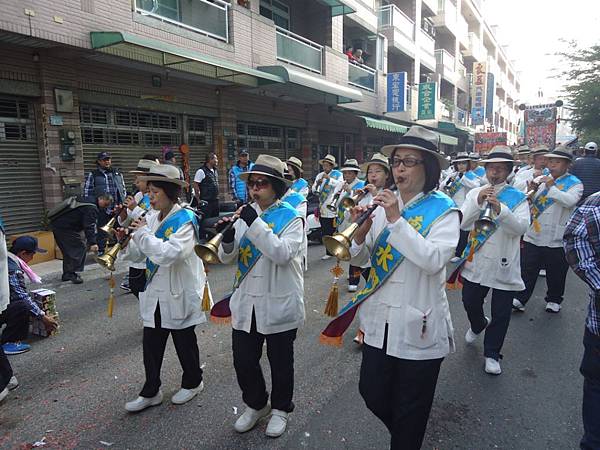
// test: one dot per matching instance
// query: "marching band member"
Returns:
(135, 206)
(348, 188)
(403, 309)
(523, 161)
(170, 303)
(553, 197)
(325, 184)
(493, 254)
(267, 302)
(297, 200)
(299, 184)
(536, 169)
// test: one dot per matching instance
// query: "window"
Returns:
(277, 11)
(199, 130)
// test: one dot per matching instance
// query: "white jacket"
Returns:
(497, 263)
(4, 287)
(178, 284)
(274, 287)
(347, 217)
(134, 214)
(554, 219)
(467, 185)
(324, 211)
(416, 288)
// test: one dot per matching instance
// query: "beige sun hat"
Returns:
(499, 153)
(540, 149)
(461, 157)
(143, 166)
(330, 159)
(523, 150)
(296, 162)
(350, 165)
(268, 165)
(561, 151)
(164, 172)
(422, 139)
(377, 158)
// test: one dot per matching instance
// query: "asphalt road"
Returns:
(74, 385)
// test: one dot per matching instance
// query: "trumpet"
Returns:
(209, 252)
(332, 206)
(108, 259)
(109, 227)
(339, 244)
(486, 221)
(351, 202)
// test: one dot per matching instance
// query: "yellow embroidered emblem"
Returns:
(383, 256)
(245, 255)
(416, 222)
(168, 232)
(374, 282)
(271, 225)
(543, 199)
(560, 187)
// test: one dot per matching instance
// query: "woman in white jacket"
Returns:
(267, 302)
(403, 309)
(170, 304)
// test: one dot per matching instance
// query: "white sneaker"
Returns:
(325, 257)
(248, 419)
(542, 272)
(471, 337)
(185, 395)
(352, 288)
(141, 403)
(455, 259)
(492, 366)
(3, 394)
(12, 383)
(277, 424)
(518, 306)
(552, 307)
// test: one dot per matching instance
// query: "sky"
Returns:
(531, 31)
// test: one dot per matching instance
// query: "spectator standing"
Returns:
(206, 188)
(582, 250)
(104, 180)
(237, 188)
(350, 53)
(587, 169)
(170, 159)
(358, 56)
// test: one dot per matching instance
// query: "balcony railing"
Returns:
(442, 57)
(361, 76)
(392, 16)
(299, 51)
(209, 18)
(427, 43)
(446, 14)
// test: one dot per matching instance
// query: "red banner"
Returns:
(485, 141)
(540, 125)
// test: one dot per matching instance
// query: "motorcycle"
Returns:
(313, 225)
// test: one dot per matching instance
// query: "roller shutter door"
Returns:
(260, 138)
(200, 139)
(21, 197)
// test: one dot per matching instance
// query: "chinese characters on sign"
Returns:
(485, 141)
(426, 101)
(479, 93)
(540, 125)
(396, 92)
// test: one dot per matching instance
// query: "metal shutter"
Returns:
(21, 197)
(260, 138)
(200, 139)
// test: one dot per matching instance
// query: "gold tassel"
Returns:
(331, 309)
(206, 296)
(111, 296)
(536, 226)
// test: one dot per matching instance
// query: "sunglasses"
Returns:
(408, 162)
(261, 183)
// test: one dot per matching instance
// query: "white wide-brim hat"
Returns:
(329, 159)
(422, 139)
(296, 162)
(268, 165)
(377, 158)
(461, 157)
(561, 152)
(165, 173)
(499, 153)
(350, 165)
(144, 166)
(540, 150)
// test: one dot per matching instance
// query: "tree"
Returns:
(583, 90)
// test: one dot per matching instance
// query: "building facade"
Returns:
(132, 77)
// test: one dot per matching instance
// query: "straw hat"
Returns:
(540, 150)
(461, 157)
(165, 173)
(330, 159)
(377, 158)
(144, 166)
(523, 150)
(421, 139)
(561, 151)
(474, 156)
(268, 165)
(350, 165)
(499, 153)
(296, 162)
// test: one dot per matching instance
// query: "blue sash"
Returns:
(341, 210)
(542, 202)
(326, 187)
(169, 226)
(455, 186)
(479, 171)
(299, 184)
(145, 202)
(293, 198)
(278, 217)
(422, 214)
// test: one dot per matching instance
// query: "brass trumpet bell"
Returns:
(339, 244)
(108, 259)
(332, 206)
(351, 202)
(109, 228)
(209, 252)
(486, 222)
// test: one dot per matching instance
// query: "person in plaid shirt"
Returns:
(582, 248)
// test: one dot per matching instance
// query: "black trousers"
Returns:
(6, 371)
(462, 242)
(186, 346)
(400, 393)
(16, 318)
(73, 246)
(534, 258)
(590, 369)
(327, 228)
(137, 280)
(354, 274)
(473, 295)
(247, 351)
(211, 209)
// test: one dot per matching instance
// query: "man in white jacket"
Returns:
(553, 198)
(325, 186)
(493, 261)
(536, 169)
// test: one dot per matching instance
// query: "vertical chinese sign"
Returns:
(396, 92)
(540, 125)
(426, 101)
(479, 93)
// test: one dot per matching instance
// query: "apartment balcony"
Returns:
(462, 81)
(446, 17)
(445, 66)
(210, 18)
(492, 66)
(432, 5)
(462, 31)
(361, 76)
(299, 51)
(427, 45)
(402, 26)
(475, 50)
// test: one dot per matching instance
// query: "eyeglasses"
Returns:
(261, 183)
(408, 162)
